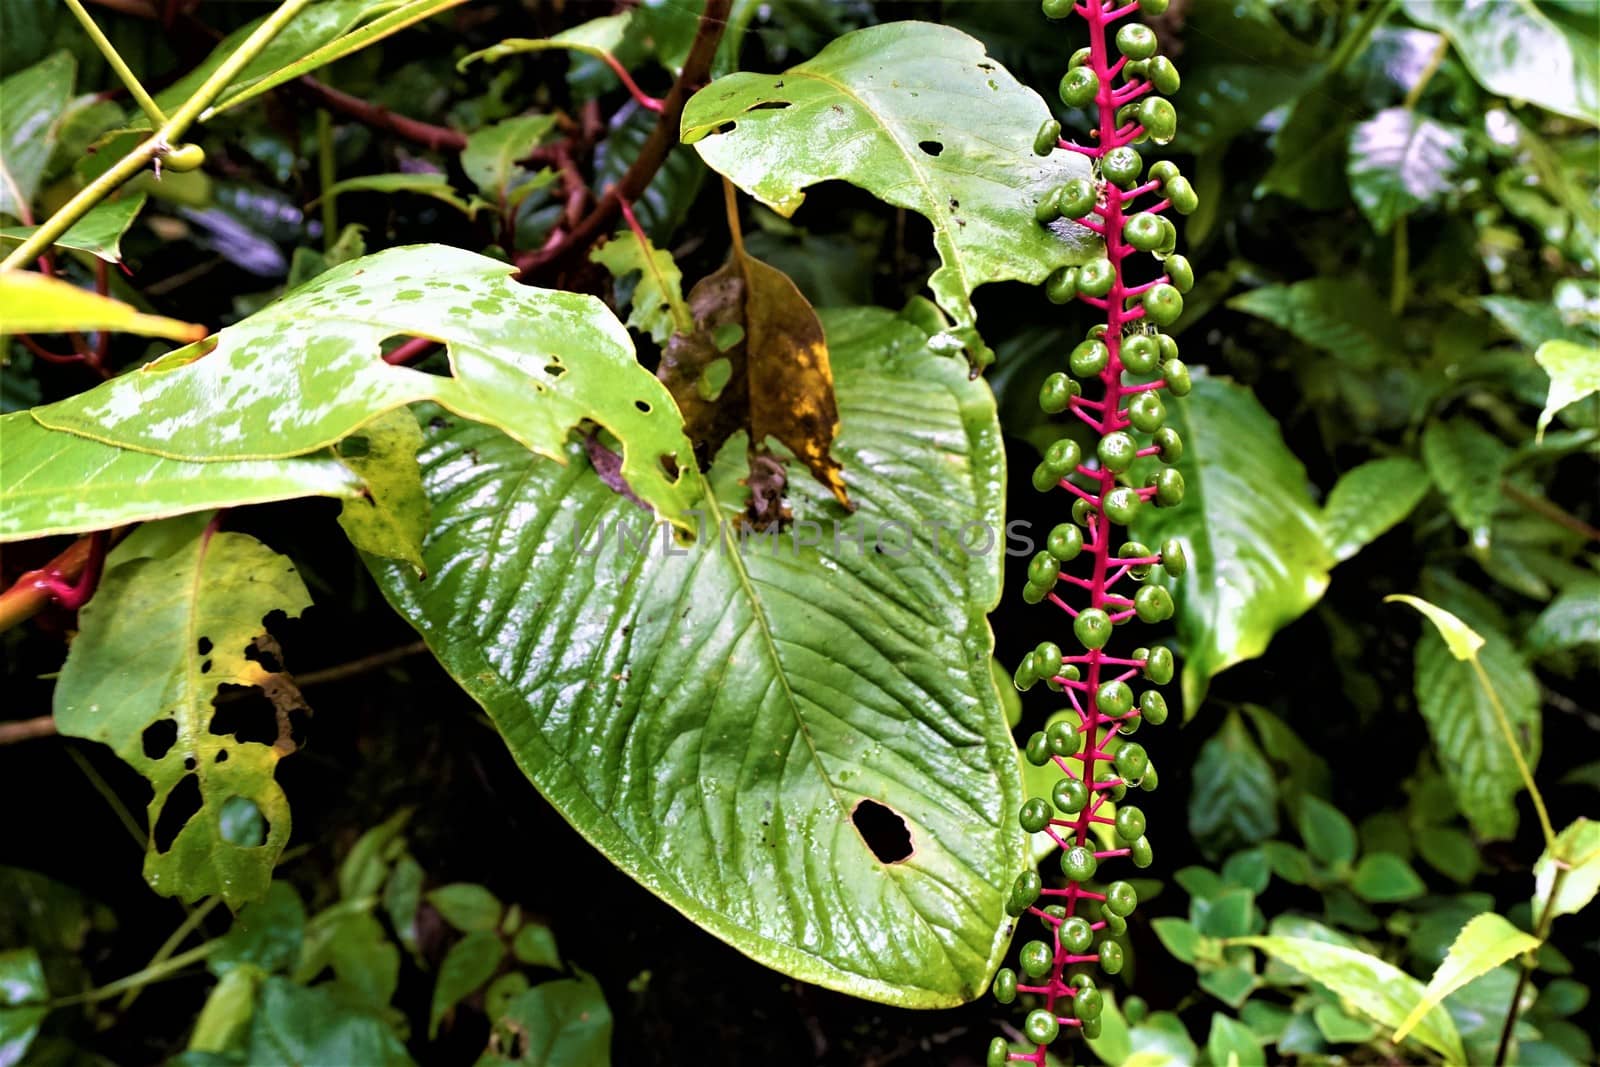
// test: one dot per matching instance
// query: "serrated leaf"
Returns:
(1247, 524)
(657, 306)
(469, 964)
(1516, 50)
(1380, 990)
(1483, 944)
(33, 303)
(1466, 463)
(1369, 500)
(565, 1023)
(23, 996)
(1337, 315)
(160, 638)
(1577, 850)
(919, 116)
(305, 372)
(1384, 878)
(31, 102)
(98, 233)
(813, 679)
(1574, 374)
(59, 483)
(1234, 800)
(391, 517)
(1400, 161)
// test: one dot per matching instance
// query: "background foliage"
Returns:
(1398, 320)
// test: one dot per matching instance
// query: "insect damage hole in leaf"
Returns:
(932, 148)
(244, 713)
(181, 805)
(884, 831)
(159, 737)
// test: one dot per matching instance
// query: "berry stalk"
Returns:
(1087, 744)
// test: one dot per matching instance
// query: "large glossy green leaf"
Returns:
(22, 1002)
(305, 372)
(167, 629)
(34, 303)
(1253, 537)
(711, 717)
(1368, 500)
(1338, 315)
(1466, 732)
(30, 103)
(1519, 51)
(1483, 944)
(99, 232)
(1378, 989)
(1400, 161)
(1574, 374)
(58, 483)
(919, 116)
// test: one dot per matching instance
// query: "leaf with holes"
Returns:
(919, 116)
(1248, 526)
(657, 306)
(715, 718)
(58, 483)
(163, 636)
(98, 233)
(1400, 161)
(305, 372)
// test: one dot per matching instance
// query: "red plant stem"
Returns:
(70, 579)
(644, 99)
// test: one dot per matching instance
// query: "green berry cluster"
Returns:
(1115, 381)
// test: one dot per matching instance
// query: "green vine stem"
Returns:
(158, 145)
(146, 103)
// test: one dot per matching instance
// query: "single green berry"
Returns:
(1113, 698)
(1121, 897)
(1133, 69)
(1063, 456)
(1057, 392)
(1139, 852)
(1047, 656)
(1088, 1004)
(1176, 373)
(1035, 815)
(1144, 231)
(1182, 195)
(1064, 737)
(1131, 760)
(1110, 957)
(1169, 488)
(1158, 666)
(1117, 792)
(1080, 57)
(1117, 451)
(1097, 332)
(999, 1052)
(1163, 74)
(1152, 707)
(1057, 912)
(1129, 114)
(1037, 750)
(1048, 209)
(1079, 87)
(1044, 142)
(1169, 237)
(1169, 445)
(1173, 560)
(1136, 41)
(1116, 925)
(1095, 277)
(1152, 603)
(1045, 478)
(1075, 198)
(1057, 9)
(1078, 863)
(1041, 1027)
(1069, 795)
(1151, 780)
(1026, 675)
(1081, 980)
(1092, 628)
(1153, 7)
(1005, 985)
(1024, 891)
(1062, 285)
(1122, 166)
(1065, 542)
(1159, 118)
(1169, 347)
(1135, 550)
(1180, 273)
(1036, 959)
(1091, 1029)
(1082, 512)
(1147, 412)
(1129, 825)
(1163, 304)
(1033, 594)
(1139, 353)
(1122, 505)
(1076, 935)
(1089, 358)
(1163, 171)
(1043, 569)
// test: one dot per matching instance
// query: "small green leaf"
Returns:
(1384, 878)
(1232, 1042)
(564, 1023)
(1574, 374)
(1234, 800)
(1450, 852)
(1380, 990)
(493, 156)
(354, 944)
(470, 963)
(22, 1002)
(1229, 913)
(1577, 850)
(1343, 317)
(431, 184)
(1571, 620)
(311, 1025)
(161, 637)
(391, 519)
(267, 935)
(32, 102)
(1484, 943)
(1339, 1028)
(921, 117)
(1330, 837)
(33, 303)
(535, 945)
(98, 233)
(657, 306)
(1400, 161)
(223, 1020)
(1178, 936)
(1368, 500)
(365, 867)
(467, 907)
(1467, 464)
(1462, 640)
(1232, 984)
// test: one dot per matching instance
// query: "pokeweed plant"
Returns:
(1113, 384)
